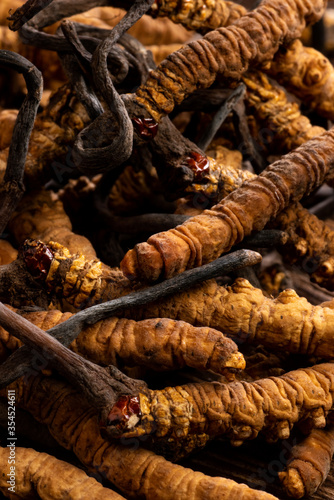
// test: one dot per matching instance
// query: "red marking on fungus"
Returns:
(199, 164)
(37, 257)
(121, 412)
(146, 128)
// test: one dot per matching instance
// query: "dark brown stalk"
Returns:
(18, 364)
(100, 386)
(28, 10)
(13, 188)
(89, 153)
(221, 116)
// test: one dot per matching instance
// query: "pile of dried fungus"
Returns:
(166, 250)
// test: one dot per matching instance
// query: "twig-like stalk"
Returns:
(28, 10)
(19, 363)
(221, 116)
(13, 188)
(89, 154)
(100, 386)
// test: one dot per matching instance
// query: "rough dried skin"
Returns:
(308, 74)
(83, 282)
(136, 472)
(289, 323)
(41, 215)
(54, 130)
(203, 238)
(239, 410)
(271, 108)
(160, 344)
(309, 463)
(7, 252)
(201, 15)
(39, 475)
(252, 39)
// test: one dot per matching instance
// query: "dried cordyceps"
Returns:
(160, 344)
(44, 475)
(309, 463)
(54, 130)
(239, 410)
(41, 215)
(308, 74)
(289, 323)
(254, 38)
(136, 472)
(271, 108)
(204, 237)
(82, 282)
(198, 14)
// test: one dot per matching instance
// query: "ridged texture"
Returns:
(83, 281)
(136, 472)
(252, 39)
(201, 15)
(271, 108)
(239, 410)
(309, 463)
(203, 238)
(39, 475)
(289, 323)
(308, 74)
(160, 344)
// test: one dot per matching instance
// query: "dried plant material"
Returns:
(7, 122)
(7, 253)
(289, 323)
(136, 472)
(39, 475)
(309, 463)
(240, 410)
(204, 237)
(271, 108)
(308, 74)
(199, 15)
(54, 130)
(159, 344)
(41, 215)
(227, 52)
(81, 281)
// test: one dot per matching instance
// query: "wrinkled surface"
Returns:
(39, 475)
(203, 238)
(309, 463)
(254, 38)
(136, 472)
